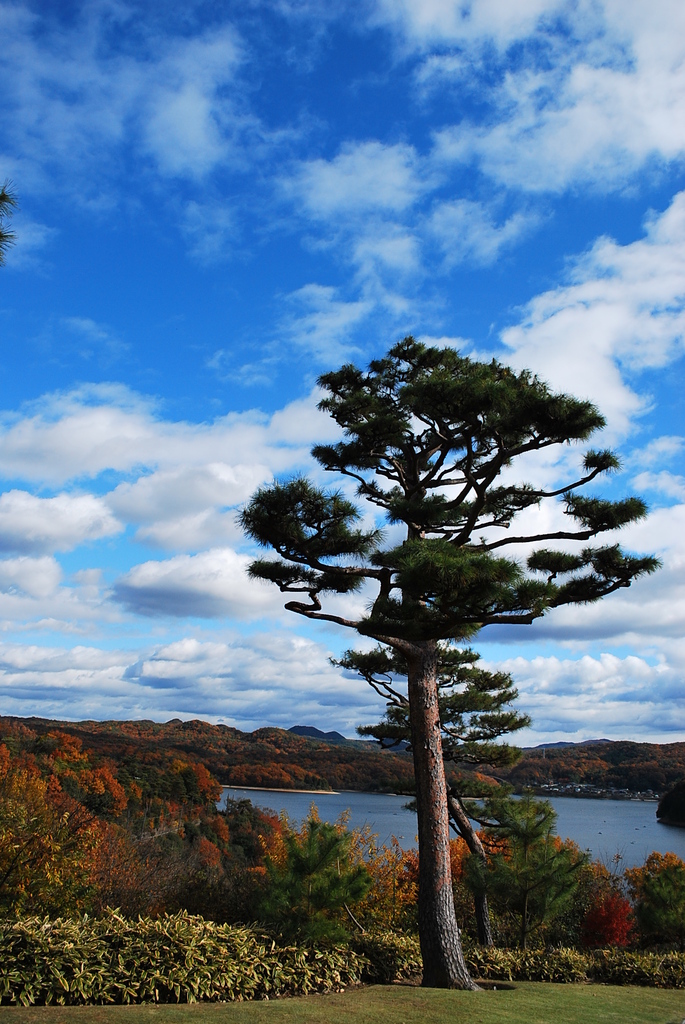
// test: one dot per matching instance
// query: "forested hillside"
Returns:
(637, 767)
(144, 751)
(145, 755)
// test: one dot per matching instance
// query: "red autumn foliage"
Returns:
(609, 923)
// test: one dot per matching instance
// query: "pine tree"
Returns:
(314, 883)
(534, 876)
(430, 440)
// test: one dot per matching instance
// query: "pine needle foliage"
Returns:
(8, 204)
(311, 888)
(532, 875)
(475, 705)
(428, 435)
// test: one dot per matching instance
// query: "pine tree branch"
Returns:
(533, 539)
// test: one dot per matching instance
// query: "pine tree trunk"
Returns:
(443, 960)
(524, 923)
(470, 837)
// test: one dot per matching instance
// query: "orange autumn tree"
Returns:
(45, 840)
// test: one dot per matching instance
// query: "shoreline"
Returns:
(604, 795)
(273, 789)
(538, 792)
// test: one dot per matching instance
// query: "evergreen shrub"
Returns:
(173, 959)
(185, 959)
(608, 966)
(391, 956)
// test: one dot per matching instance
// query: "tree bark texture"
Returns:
(443, 959)
(470, 837)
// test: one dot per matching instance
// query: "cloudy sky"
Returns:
(221, 201)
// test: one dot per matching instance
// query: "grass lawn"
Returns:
(527, 1003)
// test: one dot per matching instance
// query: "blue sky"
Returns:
(220, 202)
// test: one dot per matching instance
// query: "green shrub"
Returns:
(611, 966)
(559, 965)
(658, 970)
(183, 959)
(390, 956)
(174, 959)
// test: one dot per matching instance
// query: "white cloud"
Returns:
(29, 577)
(182, 482)
(35, 597)
(363, 177)
(660, 450)
(623, 308)
(599, 697)
(73, 98)
(375, 207)
(32, 524)
(322, 322)
(93, 337)
(81, 433)
(466, 231)
(209, 229)
(666, 483)
(283, 679)
(279, 678)
(276, 678)
(391, 247)
(188, 122)
(31, 239)
(425, 23)
(211, 584)
(606, 96)
(186, 506)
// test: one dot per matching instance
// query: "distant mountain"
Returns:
(566, 743)
(316, 734)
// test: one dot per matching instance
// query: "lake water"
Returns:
(604, 827)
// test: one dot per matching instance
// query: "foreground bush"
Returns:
(392, 957)
(611, 966)
(183, 959)
(175, 959)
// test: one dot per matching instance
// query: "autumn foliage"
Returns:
(609, 922)
(123, 821)
(79, 831)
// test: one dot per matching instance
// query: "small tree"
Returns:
(658, 889)
(8, 204)
(314, 883)
(475, 708)
(46, 839)
(531, 878)
(430, 441)
(609, 922)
